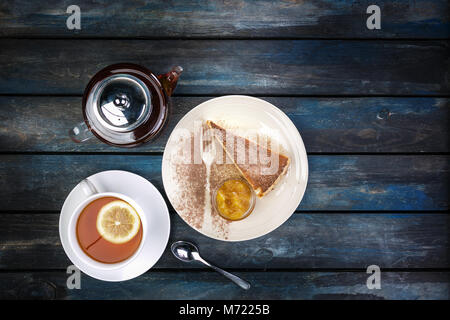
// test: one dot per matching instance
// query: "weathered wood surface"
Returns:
(290, 67)
(210, 285)
(305, 241)
(378, 182)
(34, 186)
(237, 19)
(40, 124)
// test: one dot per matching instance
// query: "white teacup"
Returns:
(92, 194)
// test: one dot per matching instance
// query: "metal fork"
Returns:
(208, 149)
(208, 154)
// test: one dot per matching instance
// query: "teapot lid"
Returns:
(120, 103)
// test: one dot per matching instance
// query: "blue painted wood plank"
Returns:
(317, 241)
(378, 182)
(209, 285)
(288, 67)
(40, 124)
(225, 19)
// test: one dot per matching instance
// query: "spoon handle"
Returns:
(240, 282)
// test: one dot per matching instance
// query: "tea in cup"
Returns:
(107, 229)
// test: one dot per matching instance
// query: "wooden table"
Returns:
(371, 105)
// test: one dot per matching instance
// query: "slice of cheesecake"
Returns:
(261, 176)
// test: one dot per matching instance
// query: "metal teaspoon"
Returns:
(188, 252)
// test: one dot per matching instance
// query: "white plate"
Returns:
(154, 207)
(272, 210)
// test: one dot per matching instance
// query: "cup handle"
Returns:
(80, 133)
(88, 187)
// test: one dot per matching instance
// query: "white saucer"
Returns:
(273, 209)
(157, 215)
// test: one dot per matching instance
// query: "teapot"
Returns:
(125, 105)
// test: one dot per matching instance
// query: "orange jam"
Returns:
(234, 199)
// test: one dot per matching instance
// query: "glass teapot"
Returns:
(125, 105)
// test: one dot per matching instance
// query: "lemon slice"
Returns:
(118, 222)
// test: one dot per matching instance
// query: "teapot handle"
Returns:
(169, 80)
(80, 133)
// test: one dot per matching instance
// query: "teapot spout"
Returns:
(169, 80)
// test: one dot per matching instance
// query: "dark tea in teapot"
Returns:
(125, 105)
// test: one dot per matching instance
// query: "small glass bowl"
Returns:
(250, 208)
